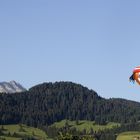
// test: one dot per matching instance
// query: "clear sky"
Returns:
(92, 42)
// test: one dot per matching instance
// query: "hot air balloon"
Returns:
(136, 75)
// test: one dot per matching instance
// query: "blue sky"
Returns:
(94, 43)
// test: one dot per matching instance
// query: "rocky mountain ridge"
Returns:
(11, 87)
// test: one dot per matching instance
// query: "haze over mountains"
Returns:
(11, 87)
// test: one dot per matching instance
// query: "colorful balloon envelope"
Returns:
(136, 75)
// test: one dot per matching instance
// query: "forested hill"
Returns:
(50, 102)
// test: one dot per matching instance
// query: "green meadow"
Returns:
(17, 132)
(84, 124)
(130, 135)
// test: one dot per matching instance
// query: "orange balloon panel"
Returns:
(136, 76)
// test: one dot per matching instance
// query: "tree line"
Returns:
(47, 103)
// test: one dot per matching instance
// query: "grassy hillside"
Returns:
(87, 125)
(17, 132)
(130, 135)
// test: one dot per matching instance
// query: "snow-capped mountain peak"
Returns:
(11, 87)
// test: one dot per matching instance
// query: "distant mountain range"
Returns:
(11, 87)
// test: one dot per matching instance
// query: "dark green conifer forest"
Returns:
(47, 103)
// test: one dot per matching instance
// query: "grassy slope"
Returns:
(28, 131)
(10, 138)
(85, 125)
(39, 134)
(130, 135)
